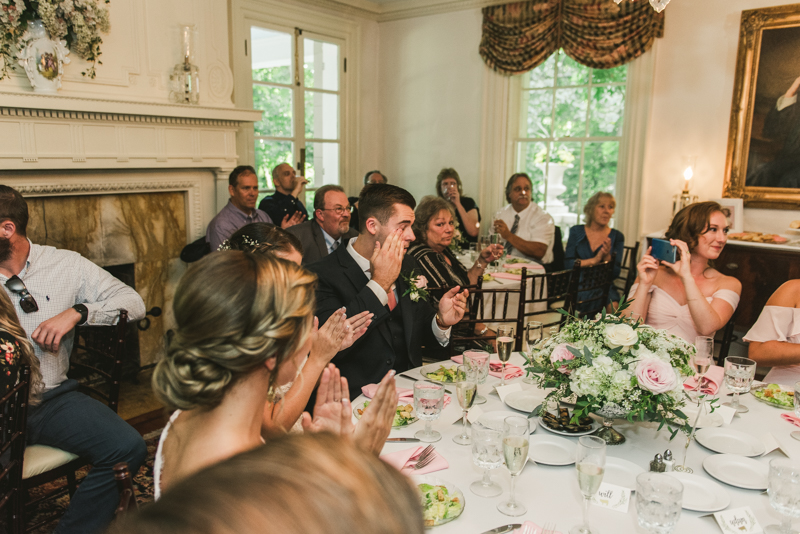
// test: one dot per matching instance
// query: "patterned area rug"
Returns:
(51, 509)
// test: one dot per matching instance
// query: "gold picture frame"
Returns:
(763, 159)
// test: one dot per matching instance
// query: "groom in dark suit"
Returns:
(365, 274)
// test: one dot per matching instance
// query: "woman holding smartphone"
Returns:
(689, 298)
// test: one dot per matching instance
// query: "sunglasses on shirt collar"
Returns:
(26, 301)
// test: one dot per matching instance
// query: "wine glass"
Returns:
(505, 344)
(590, 463)
(796, 433)
(487, 452)
(533, 334)
(473, 253)
(466, 387)
(428, 402)
(783, 487)
(658, 502)
(516, 439)
(479, 361)
(739, 374)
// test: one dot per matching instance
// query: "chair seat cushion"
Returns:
(41, 458)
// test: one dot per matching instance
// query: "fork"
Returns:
(424, 455)
(549, 528)
(422, 463)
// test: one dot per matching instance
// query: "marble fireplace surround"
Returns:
(121, 182)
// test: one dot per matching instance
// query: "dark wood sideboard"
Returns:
(761, 269)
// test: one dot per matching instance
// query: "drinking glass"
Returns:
(473, 253)
(487, 452)
(428, 402)
(516, 439)
(466, 387)
(479, 361)
(494, 239)
(783, 487)
(739, 374)
(703, 357)
(796, 434)
(505, 344)
(533, 334)
(658, 502)
(590, 464)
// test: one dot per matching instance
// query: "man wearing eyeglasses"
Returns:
(330, 226)
(526, 229)
(53, 291)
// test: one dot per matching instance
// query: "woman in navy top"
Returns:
(595, 241)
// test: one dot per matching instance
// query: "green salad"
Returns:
(773, 394)
(487, 277)
(402, 417)
(514, 271)
(438, 505)
(517, 260)
(443, 374)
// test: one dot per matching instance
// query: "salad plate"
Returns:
(551, 450)
(442, 501)
(775, 395)
(404, 415)
(737, 471)
(621, 472)
(495, 419)
(729, 441)
(701, 494)
(440, 371)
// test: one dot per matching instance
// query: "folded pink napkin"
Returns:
(711, 381)
(791, 418)
(404, 460)
(529, 266)
(496, 368)
(405, 395)
(507, 276)
(529, 527)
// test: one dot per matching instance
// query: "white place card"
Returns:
(474, 414)
(612, 497)
(502, 391)
(726, 413)
(771, 443)
(739, 520)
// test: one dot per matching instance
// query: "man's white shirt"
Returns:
(535, 225)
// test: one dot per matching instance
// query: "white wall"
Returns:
(693, 88)
(430, 91)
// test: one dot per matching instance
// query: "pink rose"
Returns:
(421, 282)
(559, 354)
(656, 376)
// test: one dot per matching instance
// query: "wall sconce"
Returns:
(185, 79)
(680, 201)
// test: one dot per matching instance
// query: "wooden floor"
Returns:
(139, 406)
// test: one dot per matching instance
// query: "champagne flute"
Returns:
(479, 361)
(473, 253)
(533, 334)
(783, 487)
(494, 239)
(516, 439)
(703, 358)
(428, 402)
(590, 463)
(739, 374)
(466, 388)
(505, 344)
(796, 434)
(658, 502)
(487, 452)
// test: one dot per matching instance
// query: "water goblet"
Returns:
(487, 453)
(590, 464)
(505, 344)
(428, 402)
(516, 440)
(479, 361)
(796, 433)
(658, 502)
(783, 487)
(533, 334)
(466, 388)
(739, 374)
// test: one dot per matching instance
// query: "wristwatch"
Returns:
(83, 310)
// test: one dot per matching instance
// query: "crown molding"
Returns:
(401, 9)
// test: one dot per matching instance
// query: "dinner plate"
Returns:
(737, 471)
(701, 494)
(765, 401)
(452, 491)
(571, 434)
(496, 418)
(552, 450)
(360, 406)
(729, 441)
(621, 472)
(432, 367)
(525, 400)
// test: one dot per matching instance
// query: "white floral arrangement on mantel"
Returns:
(78, 22)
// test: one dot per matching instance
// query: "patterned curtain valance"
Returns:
(597, 33)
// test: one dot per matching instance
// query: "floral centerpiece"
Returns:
(617, 368)
(78, 22)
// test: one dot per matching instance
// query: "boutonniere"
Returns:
(416, 286)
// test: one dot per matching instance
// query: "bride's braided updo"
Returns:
(234, 311)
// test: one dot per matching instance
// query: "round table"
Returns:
(551, 494)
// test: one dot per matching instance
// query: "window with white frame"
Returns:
(570, 129)
(297, 82)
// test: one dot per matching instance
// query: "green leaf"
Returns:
(574, 351)
(588, 355)
(680, 414)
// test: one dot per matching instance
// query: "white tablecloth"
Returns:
(551, 493)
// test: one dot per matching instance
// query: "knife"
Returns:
(503, 529)
(402, 439)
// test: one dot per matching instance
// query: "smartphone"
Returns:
(662, 250)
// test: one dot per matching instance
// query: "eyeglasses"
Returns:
(27, 302)
(339, 210)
